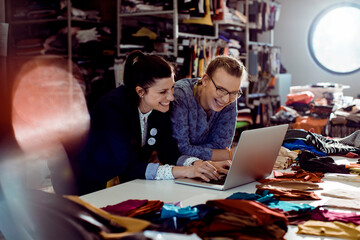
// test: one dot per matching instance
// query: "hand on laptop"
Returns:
(211, 170)
(222, 167)
(206, 170)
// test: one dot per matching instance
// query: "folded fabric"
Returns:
(124, 207)
(270, 201)
(289, 206)
(264, 198)
(145, 32)
(131, 225)
(241, 219)
(299, 175)
(292, 185)
(168, 211)
(301, 145)
(326, 215)
(152, 206)
(287, 194)
(301, 97)
(258, 211)
(333, 229)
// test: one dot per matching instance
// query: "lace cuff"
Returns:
(190, 161)
(164, 172)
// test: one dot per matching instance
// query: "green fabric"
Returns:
(242, 124)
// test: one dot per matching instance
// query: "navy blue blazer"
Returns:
(114, 147)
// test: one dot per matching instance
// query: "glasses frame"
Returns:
(221, 92)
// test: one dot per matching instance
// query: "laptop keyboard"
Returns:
(221, 181)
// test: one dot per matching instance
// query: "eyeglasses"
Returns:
(221, 92)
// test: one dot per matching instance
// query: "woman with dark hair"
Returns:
(130, 134)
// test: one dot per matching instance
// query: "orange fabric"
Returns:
(308, 123)
(300, 175)
(287, 194)
(258, 211)
(352, 165)
(272, 82)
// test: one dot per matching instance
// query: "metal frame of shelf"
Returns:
(176, 33)
(172, 13)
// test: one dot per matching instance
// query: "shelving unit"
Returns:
(160, 14)
(94, 61)
(255, 100)
(176, 34)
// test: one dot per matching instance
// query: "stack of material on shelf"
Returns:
(344, 120)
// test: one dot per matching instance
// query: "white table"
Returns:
(169, 191)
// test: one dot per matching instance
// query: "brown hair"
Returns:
(231, 65)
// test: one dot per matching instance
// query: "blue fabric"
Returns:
(169, 211)
(289, 206)
(197, 134)
(264, 198)
(270, 201)
(301, 145)
(151, 170)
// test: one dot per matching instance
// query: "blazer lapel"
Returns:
(135, 120)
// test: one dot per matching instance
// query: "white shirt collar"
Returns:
(143, 125)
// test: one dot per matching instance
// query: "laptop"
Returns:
(254, 158)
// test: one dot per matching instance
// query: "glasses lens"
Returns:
(235, 95)
(221, 92)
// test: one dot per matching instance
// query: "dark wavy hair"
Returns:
(143, 70)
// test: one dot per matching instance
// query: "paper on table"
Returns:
(342, 193)
(341, 177)
(353, 204)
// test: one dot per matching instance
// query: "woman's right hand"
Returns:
(204, 170)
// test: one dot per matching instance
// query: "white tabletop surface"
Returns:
(164, 190)
(168, 191)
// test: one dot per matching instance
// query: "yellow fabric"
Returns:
(112, 182)
(206, 20)
(132, 225)
(333, 229)
(145, 32)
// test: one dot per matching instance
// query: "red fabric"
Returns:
(149, 207)
(125, 207)
(301, 97)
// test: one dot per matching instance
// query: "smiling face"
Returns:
(158, 96)
(209, 99)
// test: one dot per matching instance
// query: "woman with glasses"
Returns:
(204, 112)
(130, 133)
